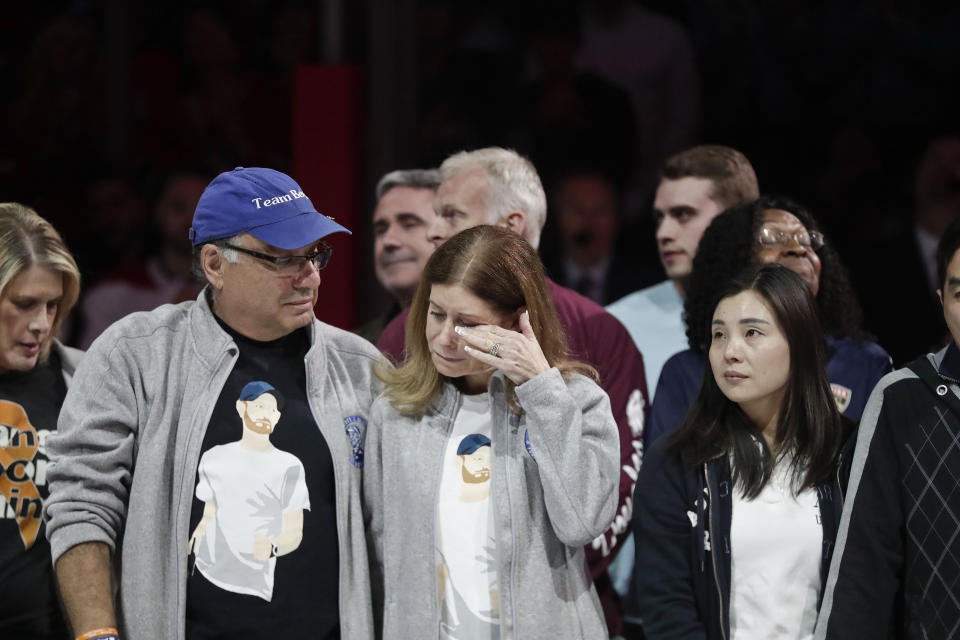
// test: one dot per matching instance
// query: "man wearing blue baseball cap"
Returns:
(159, 391)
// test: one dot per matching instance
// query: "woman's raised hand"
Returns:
(515, 353)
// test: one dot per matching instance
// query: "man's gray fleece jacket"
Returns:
(554, 475)
(128, 443)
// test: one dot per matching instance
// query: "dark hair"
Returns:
(810, 430)
(729, 244)
(413, 178)
(948, 245)
(569, 174)
(733, 177)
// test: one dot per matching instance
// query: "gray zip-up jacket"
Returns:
(128, 443)
(554, 472)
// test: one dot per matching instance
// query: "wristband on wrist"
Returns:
(103, 633)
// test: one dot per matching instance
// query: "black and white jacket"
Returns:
(896, 569)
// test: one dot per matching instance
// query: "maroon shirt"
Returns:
(597, 338)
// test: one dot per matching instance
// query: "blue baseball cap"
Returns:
(267, 204)
(255, 389)
(471, 443)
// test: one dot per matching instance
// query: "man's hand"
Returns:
(194, 542)
(261, 547)
(209, 509)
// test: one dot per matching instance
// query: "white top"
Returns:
(654, 318)
(252, 490)
(466, 539)
(776, 542)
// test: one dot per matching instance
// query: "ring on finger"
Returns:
(495, 349)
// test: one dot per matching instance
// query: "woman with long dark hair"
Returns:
(490, 459)
(736, 512)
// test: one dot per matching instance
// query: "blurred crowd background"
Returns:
(117, 113)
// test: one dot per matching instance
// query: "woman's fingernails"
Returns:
(459, 330)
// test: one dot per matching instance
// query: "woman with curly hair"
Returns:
(770, 230)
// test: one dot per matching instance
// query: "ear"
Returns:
(940, 297)
(241, 407)
(212, 262)
(515, 222)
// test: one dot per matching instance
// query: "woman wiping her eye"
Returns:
(490, 460)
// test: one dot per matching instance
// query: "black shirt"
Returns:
(30, 402)
(250, 576)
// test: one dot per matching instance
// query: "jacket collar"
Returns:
(948, 362)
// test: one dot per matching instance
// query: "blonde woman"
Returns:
(39, 284)
(491, 459)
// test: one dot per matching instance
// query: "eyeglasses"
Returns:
(773, 237)
(290, 265)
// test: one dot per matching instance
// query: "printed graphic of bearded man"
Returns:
(254, 496)
(473, 457)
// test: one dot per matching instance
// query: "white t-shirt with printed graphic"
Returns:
(776, 543)
(466, 540)
(252, 490)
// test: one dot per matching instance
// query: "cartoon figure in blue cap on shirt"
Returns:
(473, 457)
(467, 577)
(254, 496)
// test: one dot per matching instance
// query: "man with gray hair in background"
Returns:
(401, 218)
(500, 187)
